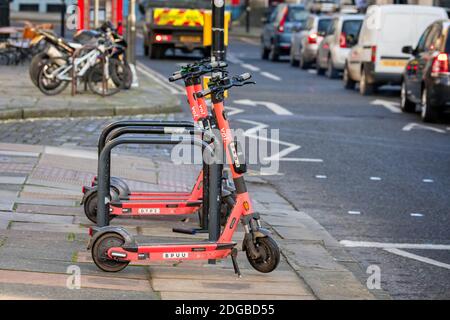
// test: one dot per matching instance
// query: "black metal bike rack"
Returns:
(120, 131)
(214, 169)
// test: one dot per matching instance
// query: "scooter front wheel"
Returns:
(100, 252)
(269, 255)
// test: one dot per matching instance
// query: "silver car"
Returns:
(305, 42)
(341, 36)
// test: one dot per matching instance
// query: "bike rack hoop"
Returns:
(138, 123)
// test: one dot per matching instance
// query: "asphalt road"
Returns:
(368, 173)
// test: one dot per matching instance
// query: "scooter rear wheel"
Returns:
(100, 252)
(270, 255)
(90, 207)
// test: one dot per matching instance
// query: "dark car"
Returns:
(278, 28)
(426, 79)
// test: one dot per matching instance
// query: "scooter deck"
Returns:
(149, 207)
(172, 251)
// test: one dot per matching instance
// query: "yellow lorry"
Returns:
(177, 24)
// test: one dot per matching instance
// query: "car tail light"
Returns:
(343, 40)
(91, 232)
(83, 189)
(312, 38)
(283, 20)
(440, 64)
(373, 56)
(163, 37)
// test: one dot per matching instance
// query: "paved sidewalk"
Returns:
(43, 232)
(29, 102)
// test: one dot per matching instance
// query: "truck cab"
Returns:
(175, 24)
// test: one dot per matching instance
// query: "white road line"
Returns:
(416, 215)
(252, 134)
(250, 67)
(233, 59)
(312, 71)
(160, 79)
(301, 159)
(354, 212)
(275, 108)
(418, 258)
(428, 180)
(390, 105)
(232, 111)
(270, 76)
(413, 125)
(249, 41)
(381, 245)
(320, 176)
(375, 178)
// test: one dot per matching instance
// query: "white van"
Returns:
(377, 58)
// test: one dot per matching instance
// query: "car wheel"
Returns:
(365, 88)
(349, 83)
(406, 104)
(146, 51)
(429, 112)
(292, 59)
(332, 72)
(273, 54)
(264, 52)
(302, 63)
(320, 71)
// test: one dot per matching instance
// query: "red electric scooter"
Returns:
(126, 203)
(113, 248)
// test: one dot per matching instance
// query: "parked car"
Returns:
(377, 59)
(341, 36)
(426, 78)
(304, 43)
(322, 6)
(277, 30)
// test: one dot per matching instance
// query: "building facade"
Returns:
(37, 5)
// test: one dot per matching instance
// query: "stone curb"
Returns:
(170, 106)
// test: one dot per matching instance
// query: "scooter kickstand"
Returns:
(234, 253)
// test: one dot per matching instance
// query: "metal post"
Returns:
(247, 16)
(63, 18)
(96, 12)
(218, 30)
(131, 32)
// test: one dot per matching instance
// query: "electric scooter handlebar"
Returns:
(198, 70)
(225, 84)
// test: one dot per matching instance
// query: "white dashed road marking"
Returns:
(383, 245)
(375, 178)
(416, 215)
(250, 67)
(320, 176)
(428, 180)
(354, 212)
(270, 76)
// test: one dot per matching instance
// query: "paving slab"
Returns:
(168, 295)
(40, 292)
(29, 217)
(45, 209)
(309, 255)
(87, 281)
(227, 285)
(335, 285)
(12, 180)
(47, 227)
